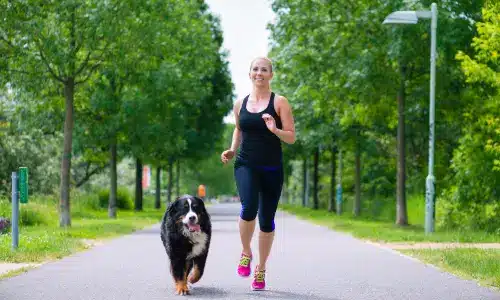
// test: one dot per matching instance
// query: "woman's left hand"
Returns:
(270, 122)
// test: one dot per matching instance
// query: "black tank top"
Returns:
(259, 146)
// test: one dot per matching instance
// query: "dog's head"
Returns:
(189, 212)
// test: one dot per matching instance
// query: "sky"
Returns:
(245, 36)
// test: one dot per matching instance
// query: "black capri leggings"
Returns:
(260, 190)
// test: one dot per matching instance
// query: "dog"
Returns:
(186, 231)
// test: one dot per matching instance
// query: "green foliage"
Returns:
(34, 150)
(123, 198)
(387, 231)
(30, 214)
(341, 69)
(473, 201)
(46, 240)
(218, 178)
(149, 77)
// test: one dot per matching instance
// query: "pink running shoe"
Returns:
(244, 268)
(259, 280)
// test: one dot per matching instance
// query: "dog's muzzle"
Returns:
(191, 222)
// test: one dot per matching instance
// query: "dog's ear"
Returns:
(202, 203)
(200, 200)
(171, 208)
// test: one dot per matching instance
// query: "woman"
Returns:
(263, 121)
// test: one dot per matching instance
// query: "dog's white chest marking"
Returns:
(199, 240)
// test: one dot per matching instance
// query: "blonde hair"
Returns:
(263, 58)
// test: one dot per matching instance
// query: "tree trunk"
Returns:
(177, 177)
(113, 178)
(357, 179)
(158, 188)
(69, 93)
(316, 179)
(339, 185)
(401, 213)
(138, 185)
(170, 181)
(331, 202)
(305, 183)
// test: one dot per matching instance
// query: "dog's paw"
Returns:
(181, 288)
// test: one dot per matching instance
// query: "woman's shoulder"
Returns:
(280, 100)
(238, 103)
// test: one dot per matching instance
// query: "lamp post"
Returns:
(411, 17)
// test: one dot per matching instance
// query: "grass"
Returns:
(16, 272)
(41, 239)
(377, 222)
(482, 265)
(385, 231)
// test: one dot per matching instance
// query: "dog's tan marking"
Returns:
(195, 275)
(181, 288)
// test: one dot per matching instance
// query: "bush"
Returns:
(84, 201)
(454, 214)
(123, 198)
(31, 214)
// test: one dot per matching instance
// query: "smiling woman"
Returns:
(263, 120)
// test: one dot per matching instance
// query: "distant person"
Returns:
(202, 192)
(263, 120)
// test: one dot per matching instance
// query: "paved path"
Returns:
(307, 262)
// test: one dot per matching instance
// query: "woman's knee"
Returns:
(267, 228)
(267, 225)
(248, 214)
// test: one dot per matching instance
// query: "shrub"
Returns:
(123, 198)
(31, 213)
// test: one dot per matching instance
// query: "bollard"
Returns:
(15, 212)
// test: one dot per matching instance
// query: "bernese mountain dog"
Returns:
(186, 231)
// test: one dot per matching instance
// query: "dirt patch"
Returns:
(91, 243)
(406, 246)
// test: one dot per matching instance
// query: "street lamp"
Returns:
(411, 17)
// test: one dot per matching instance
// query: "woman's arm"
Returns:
(284, 110)
(236, 140)
(235, 144)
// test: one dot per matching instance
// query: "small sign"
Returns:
(23, 185)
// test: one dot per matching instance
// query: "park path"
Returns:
(307, 262)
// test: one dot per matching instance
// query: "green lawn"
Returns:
(41, 243)
(41, 239)
(380, 230)
(482, 265)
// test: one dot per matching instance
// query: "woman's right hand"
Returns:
(227, 155)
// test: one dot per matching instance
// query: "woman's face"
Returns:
(261, 72)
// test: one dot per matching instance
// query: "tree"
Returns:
(477, 181)
(64, 42)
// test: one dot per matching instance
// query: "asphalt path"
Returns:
(307, 262)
